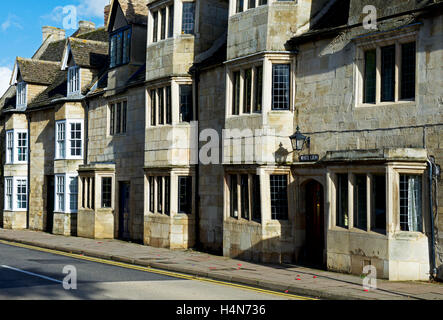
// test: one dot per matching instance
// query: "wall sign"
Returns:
(309, 158)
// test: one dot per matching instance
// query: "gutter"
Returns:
(28, 183)
(432, 264)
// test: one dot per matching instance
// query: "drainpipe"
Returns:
(196, 81)
(85, 157)
(28, 187)
(433, 269)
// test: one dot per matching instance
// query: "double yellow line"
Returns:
(156, 271)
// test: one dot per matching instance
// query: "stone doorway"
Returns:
(315, 224)
(124, 211)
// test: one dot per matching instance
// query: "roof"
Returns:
(8, 100)
(99, 34)
(54, 51)
(38, 71)
(57, 90)
(135, 11)
(88, 53)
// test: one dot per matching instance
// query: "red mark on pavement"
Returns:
(286, 291)
(315, 277)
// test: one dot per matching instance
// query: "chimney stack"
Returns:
(86, 26)
(56, 34)
(107, 12)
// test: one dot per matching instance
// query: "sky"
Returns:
(21, 22)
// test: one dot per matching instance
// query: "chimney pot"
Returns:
(55, 33)
(86, 25)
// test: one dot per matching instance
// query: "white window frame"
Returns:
(66, 192)
(371, 43)
(67, 140)
(12, 150)
(74, 80)
(22, 93)
(14, 194)
(9, 193)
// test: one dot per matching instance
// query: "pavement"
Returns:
(290, 279)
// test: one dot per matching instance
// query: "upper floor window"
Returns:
(73, 80)
(118, 119)
(188, 18)
(69, 143)
(22, 89)
(16, 146)
(243, 5)
(16, 193)
(186, 104)
(281, 86)
(120, 47)
(389, 73)
(161, 106)
(163, 23)
(247, 95)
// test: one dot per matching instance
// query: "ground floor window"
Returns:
(16, 193)
(106, 192)
(279, 197)
(66, 193)
(244, 189)
(159, 194)
(411, 203)
(342, 200)
(185, 195)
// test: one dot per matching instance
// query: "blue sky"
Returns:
(21, 22)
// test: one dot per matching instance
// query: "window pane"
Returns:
(73, 194)
(126, 45)
(236, 93)
(112, 120)
(342, 200)
(124, 115)
(379, 201)
(186, 103)
(360, 203)
(61, 138)
(410, 203)
(76, 139)
(22, 194)
(113, 50)
(8, 193)
(106, 192)
(22, 147)
(10, 146)
(280, 87)
(168, 106)
(151, 194)
(60, 193)
(167, 195)
(262, 2)
(370, 76)
(408, 70)
(171, 22)
(161, 107)
(256, 199)
(239, 6)
(388, 73)
(160, 194)
(245, 196)
(247, 100)
(279, 197)
(119, 55)
(118, 121)
(188, 17)
(163, 23)
(234, 195)
(155, 29)
(251, 4)
(153, 107)
(185, 195)
(258, 89)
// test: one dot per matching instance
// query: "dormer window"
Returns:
(73, 80)
(21, 94)
(120, 47)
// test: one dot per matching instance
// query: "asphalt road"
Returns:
(35, 275)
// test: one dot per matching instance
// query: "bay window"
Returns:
(161, 106)
(280, 86)
(185, 195)
(106, 192)
(162, 22)
(247, 90)
(279, 197)
(66, 193)
(69, 139)
(411, 203)
(245, 189)
(186, 103)
(16, 146)
(16, 193)
(159, 194)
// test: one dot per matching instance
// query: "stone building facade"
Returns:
(174, 126)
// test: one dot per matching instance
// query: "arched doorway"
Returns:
(315, 224)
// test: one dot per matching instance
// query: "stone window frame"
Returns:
(156, 9)
(22, 94)
(155, 200)
(173, 175)
(15, 147)
(74, 80)
(371, 42)
(67, 143)
(233, 10)
(112, 118)
(66, 193)
(15, 207)
(251, 174)
(174, 83)
(392, 174)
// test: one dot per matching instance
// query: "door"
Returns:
(124, 213)
(49, 203)
(315, 232)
